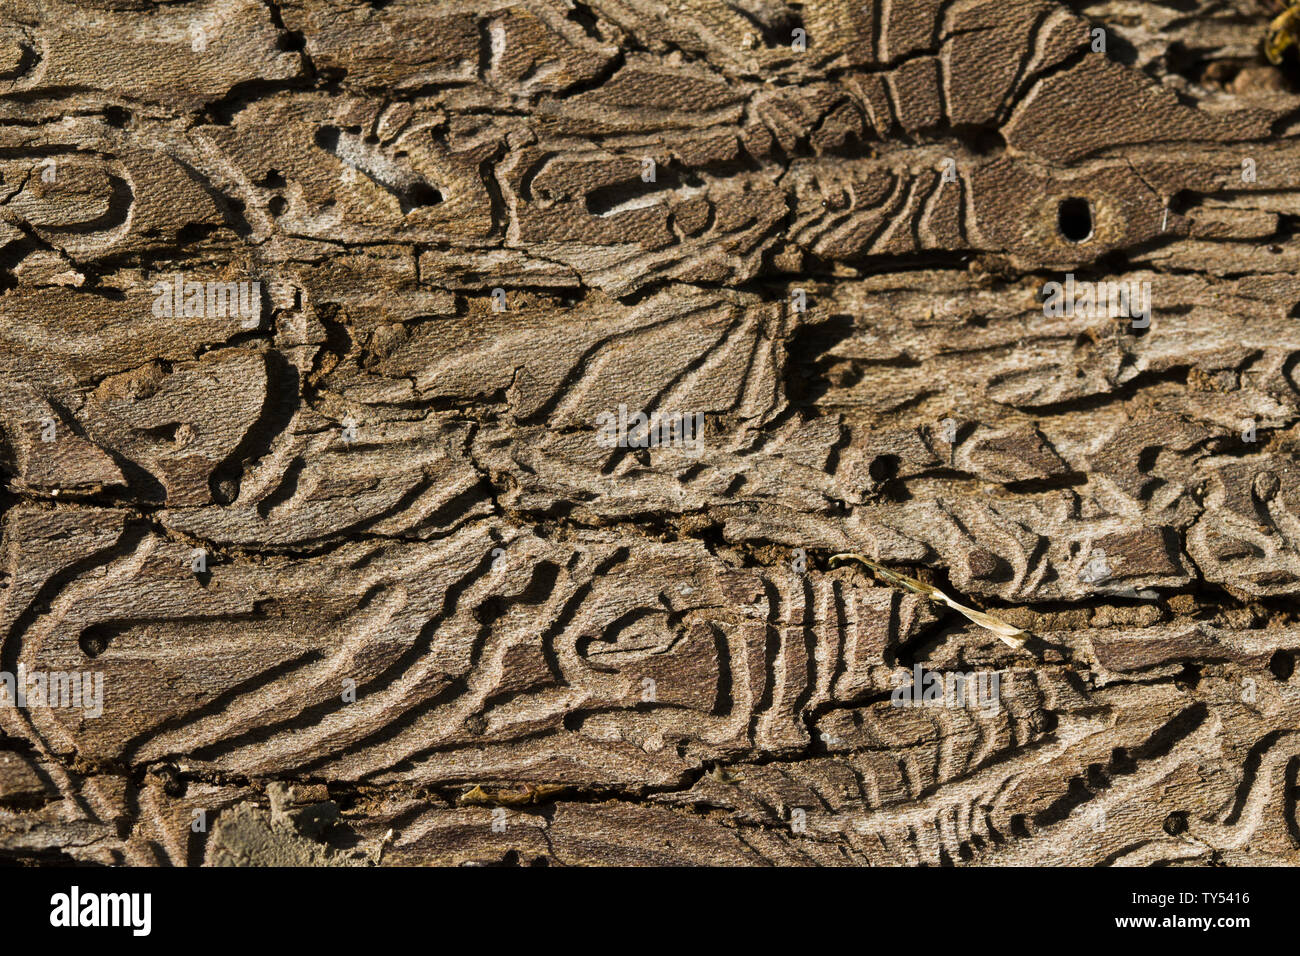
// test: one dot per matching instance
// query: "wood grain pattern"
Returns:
(366, 586)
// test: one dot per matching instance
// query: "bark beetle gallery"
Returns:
(427, 427)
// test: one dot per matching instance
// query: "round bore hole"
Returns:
(1074, 219)
(1282, 665)
(883, 468)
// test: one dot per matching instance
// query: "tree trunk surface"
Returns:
(427, 427)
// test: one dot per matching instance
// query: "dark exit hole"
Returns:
(420, 194)
(1282, 665)
(884, 468)
(1074, 219)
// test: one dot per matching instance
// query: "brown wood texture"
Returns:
(365, 586)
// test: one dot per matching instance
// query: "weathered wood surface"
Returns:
(566, 653)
